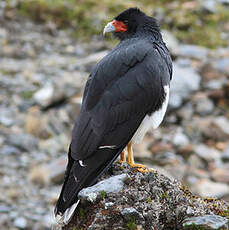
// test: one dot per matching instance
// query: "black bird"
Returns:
(126, 94)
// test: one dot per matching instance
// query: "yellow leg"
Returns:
(141, 168)
(122, 157)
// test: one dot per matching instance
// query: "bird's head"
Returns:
(128, 22)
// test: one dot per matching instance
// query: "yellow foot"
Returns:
(121, 161)
(122, 157)
(141, 168)
(133, 165)
(146, 170)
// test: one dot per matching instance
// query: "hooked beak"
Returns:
(109, 28)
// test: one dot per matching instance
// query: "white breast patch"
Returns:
(154, 120)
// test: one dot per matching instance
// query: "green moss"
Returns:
(131, 224)
(149, 200)
(103, 194)
(199, 28)
(81, 214)
(27, 94)
(75, 228)
(225, 213)
(164, 195)
(190, 25)
(193, 226)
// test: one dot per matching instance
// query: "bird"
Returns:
(126, 94)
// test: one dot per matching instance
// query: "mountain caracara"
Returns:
(126, 94)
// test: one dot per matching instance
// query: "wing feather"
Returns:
(123, 87)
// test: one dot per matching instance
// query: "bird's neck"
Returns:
(150, 31)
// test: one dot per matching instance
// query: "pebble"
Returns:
(186, 112)
(6, 149)
(88, 62)
(180, 139)
(4, 209)
(6, 120)
(207, 188)
(193, 51)
(20, 222)
(39, 69)
(225, 155)
(185, 80)
(223, 65)
(206, 153)
(171, 41)
(222, 123)
(204, 106)
(210, 6)
(221, 174)
(52, 172)
(44, 95)
(225, 2)
(215, 84)
(108, 204)
(23, 141)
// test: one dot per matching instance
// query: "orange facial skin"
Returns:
(119, 26)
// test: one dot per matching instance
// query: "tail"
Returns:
(80, 175)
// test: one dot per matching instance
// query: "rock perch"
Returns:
(133, 200)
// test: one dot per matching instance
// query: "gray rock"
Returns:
(209, 6)
(5, 119)
(4, 208)
(207, 188)
(167, 158)
(225, 155)
(186, 112)
(127, 213)
(208, 222)
(206, 153)
(222, 65)
(44, 95)
(20, 222)
(222, 123)
(215, 84)
(180, 138)
(204, 106)
(171, 42)
(3, 33)
(184, 62)
(86, 63)
(225, 2)
(57, 143)
(6, 149)
(51, 172)
(162, 202)
(113, 184)
(54, 92)
(221, 174)
(48, 221)
(193, 51)
(23, 141)
(108, 204)
(196, 161)
(185, 80)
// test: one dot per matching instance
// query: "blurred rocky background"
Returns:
(47, 49)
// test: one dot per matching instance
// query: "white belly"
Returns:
(154, 120)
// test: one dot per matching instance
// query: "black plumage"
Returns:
(124, 87)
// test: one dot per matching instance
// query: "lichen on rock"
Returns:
(146, 201)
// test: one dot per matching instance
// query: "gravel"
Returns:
(41, 80)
